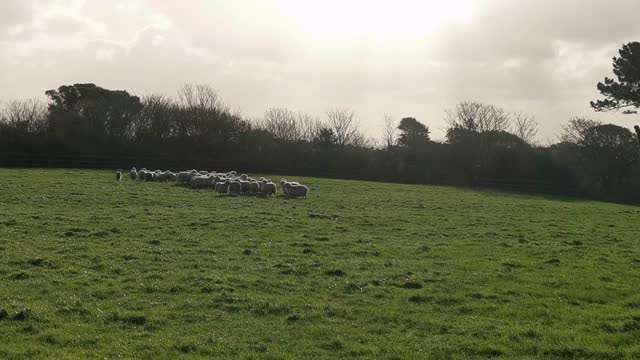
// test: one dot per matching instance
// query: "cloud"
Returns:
(14, 12)
(541, 56)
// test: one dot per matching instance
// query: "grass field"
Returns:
(366, 270)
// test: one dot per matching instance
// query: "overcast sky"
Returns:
(408, 58)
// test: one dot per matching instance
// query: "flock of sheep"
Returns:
(223, 183)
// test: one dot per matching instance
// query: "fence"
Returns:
(551, 186)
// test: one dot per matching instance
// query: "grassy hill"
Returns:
(89, 268)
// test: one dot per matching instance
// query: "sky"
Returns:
(412, 58)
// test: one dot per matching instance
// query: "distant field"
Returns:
(91, 269)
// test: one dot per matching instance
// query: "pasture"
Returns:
(93, 269)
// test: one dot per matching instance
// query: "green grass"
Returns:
(90, 269)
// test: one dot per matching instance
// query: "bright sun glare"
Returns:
(376, 19)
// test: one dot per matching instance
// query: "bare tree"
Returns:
(28, 115)
(282, 124)
(204, 116)
(477, 117)
(289, 125)
(309, 126)
(345, 125)
(201, 98)
(524, 126)
(576, 129)
(389, 131)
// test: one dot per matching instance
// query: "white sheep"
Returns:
(166, 176)
(162, 176)
(200, 182)
(255, 187)
(142, 173)
(267, 188)
(222, 187)
(148, 176)
(283, 182)
(183, 177)
(296, 191)
(133, 174)
(235, 188)
(245, 186)
(119, 175)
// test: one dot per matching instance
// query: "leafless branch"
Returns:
(389, 131)
(345, 125)
(477, 117)
(524, 126)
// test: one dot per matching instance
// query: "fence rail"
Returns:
(555, 186)
(160, 161)
(526, 185)
(108, 161)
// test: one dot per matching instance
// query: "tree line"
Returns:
(85, 125)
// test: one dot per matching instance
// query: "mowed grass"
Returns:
(89, 269)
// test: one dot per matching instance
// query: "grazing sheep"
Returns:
(245, 186)
(235, 188)
(283, 183)
(267, 188)
(200, 182)
(255, 187)
(184, 177)
(142, 173)
(296, 191)
(163, 176)
(181, 177)
(222, 183)
(171, 176)
(222, 187)
(166, 176)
